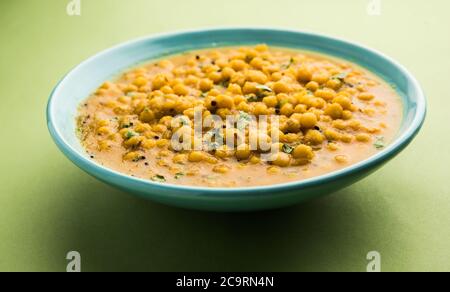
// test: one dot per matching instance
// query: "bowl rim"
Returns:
(391, 150)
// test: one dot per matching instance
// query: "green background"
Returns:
(49, 207)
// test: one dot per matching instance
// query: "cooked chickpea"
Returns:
(327, 94)
(281, 159)
(363, 137)
(366, 96)
(313, 86)
(328, 113)
(225, 101)
(287, 110)
(221, 169)
(238, 65)
(334, 110)
(282, 87)
(303, 152)
(314, 137)
(270, 101)
(320, 77)
(196, 156)
(304, 74)
(308, 120)
(341, 159)
(180, 89)
(243, 152)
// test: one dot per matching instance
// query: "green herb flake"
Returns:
(379, 143)
(225, 83)
(131, 134)
(244, 120)
(264, 88)
(179, 175)
(252, 98)
(288, 149)
(287, 66)
(159, 178)
(341, 76)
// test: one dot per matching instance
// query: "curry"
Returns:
(239, 117)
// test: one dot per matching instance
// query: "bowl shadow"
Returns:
(115, 231)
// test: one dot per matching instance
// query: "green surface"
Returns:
(48, 207)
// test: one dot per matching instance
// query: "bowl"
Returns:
(79, 83)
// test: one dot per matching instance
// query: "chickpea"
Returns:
(211, 103)
(140, 81)
(341, 159)
(206, 85)
(196, 156)
(273, 170)
(333, 146)
(304, 74)
(235, 88)
(216, 77)
(290, 138)
(327, 94)
(313, 86)
(332, 135)
(148, 144)
(260, 109)
(303, 152)
(131, 156)
(270, 101)
(221, 169)
(257, 76)
(334, 110)
(339, 124)
(287, 110)
(321, 77)
(225, 101)
(344, 101)
(314, 137)
(243, 152)
(255, 160)
(293, 125)
(238, 65)
(300, 108)
(250, 87)
(227, 73)
(282, 87)
(158, 82)
(347, 115)
(334, 84)
(347, 138)
(365, 96)
(363, 138)
(308, 120)
(281, 159)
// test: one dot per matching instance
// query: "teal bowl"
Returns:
(86, 77)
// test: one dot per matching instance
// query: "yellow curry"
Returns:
(321, 114)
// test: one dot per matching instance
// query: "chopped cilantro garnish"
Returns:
(179, 175)
(159, 178)
(252, 98)
(131, 134)
(288, 149)
(379, 143)
(264, 88)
